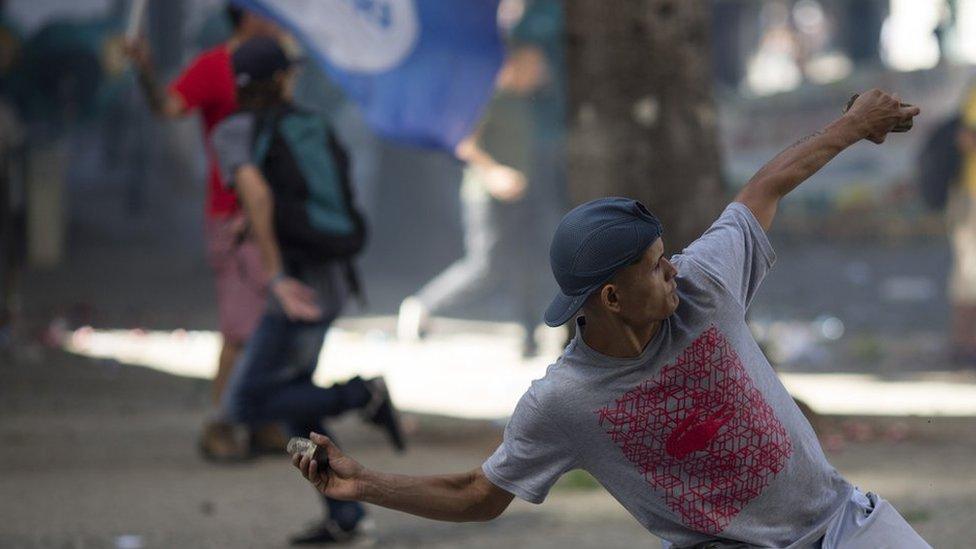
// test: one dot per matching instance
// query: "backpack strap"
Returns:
(264, 130)
(343, 164)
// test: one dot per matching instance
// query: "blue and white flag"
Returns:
(421, 70)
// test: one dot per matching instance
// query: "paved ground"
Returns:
(96, 455)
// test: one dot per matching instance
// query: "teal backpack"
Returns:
(315, 218)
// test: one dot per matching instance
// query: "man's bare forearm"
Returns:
(161, 102)
(804, 158)
(795, 165)
(151, 90)
(465, 497)
(259, 208)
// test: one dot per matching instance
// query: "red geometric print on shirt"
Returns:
(701, 434)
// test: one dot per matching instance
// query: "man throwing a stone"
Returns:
(664, 396)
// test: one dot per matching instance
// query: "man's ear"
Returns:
(609, 297)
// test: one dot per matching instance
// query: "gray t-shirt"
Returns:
(231, 140)
(696, 437)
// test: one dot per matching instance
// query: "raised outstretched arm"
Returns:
(872, 117)
(161, 101)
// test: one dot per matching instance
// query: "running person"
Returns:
(207, 86)
(663, 395)
(288, 169)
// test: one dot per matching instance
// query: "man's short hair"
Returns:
(236, 16)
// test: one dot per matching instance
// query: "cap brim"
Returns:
(563, 308)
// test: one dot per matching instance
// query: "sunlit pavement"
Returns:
(469, 369)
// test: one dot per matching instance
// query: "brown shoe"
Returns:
(223, 443)
(268, 440)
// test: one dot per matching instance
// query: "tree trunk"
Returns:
(642, 118)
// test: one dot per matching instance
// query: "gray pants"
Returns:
(505, 248)
(866, 521)
(870, 522)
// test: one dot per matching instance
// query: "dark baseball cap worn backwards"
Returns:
(258, 59)
(592, 243)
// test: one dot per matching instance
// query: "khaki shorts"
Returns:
(239, 277)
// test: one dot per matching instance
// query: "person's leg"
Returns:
(244, 302)
(240, 292)
(519, 262)
(465, 278)
(302, 398)
(271, 381)
(961, 217)
(552, 202)
(528, 286)
(222, 440)
(230, 352)
(277, 381)
(473, 273)
(279, 386)
(267, 341)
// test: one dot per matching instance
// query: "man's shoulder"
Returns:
(708, 263)
(208, 63)
(545, 384)
(208, 68)
(232, 139)
(235, 125)
(561, 377)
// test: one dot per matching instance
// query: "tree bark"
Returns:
(642, 118)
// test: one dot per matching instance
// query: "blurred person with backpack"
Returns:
(291, 176)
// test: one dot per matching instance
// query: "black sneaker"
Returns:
(380, 411)
(326, 531)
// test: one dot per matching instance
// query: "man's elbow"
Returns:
(759, 195)
(490, 503)
(487, 512)
(759, 189)
(251, 186)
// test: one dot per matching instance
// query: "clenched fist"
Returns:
(877, 113)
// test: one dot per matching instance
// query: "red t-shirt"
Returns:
(208, 84)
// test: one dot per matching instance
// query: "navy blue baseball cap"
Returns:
(258, 59)
(592, 243)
